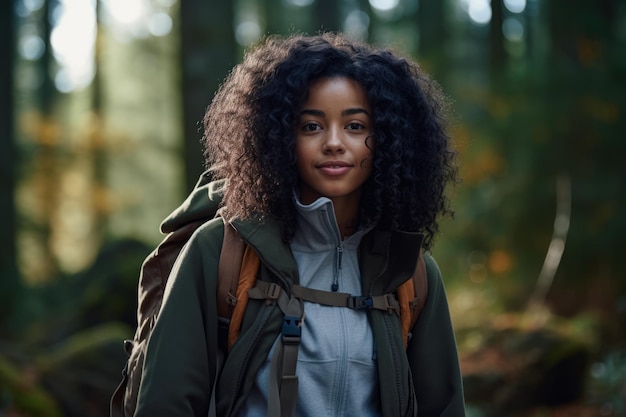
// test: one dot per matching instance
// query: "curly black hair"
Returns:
(249, 131)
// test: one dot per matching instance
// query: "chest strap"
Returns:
(385, 302)
(274, 293)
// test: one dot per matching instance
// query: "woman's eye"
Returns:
(310, 127)
(355, 126)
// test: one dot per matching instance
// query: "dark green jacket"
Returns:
(180, 367)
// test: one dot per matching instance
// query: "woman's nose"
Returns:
(334, 140)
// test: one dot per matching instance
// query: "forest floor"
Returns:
(570, 410)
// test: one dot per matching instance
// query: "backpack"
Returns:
(238, 265)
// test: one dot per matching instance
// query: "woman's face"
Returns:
(333, 156)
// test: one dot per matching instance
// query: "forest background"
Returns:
(100, 139)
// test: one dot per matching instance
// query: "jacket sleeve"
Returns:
(433, 354)
(179, 368)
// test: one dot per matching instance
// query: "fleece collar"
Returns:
(317, 228)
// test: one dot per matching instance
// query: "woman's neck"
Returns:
(347, 215)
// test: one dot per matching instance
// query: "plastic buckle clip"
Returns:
(291, 329)
(360, 302)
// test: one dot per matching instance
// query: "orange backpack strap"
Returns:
(412, 297)
(238, 268)
(247, 278)
(231, 258)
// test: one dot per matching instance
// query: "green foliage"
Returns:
(83, 370)
(70, 354)
(608, 385)
(74, 377)
(21, 394)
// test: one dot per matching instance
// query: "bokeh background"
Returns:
(100, 139)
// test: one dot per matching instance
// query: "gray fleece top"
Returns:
(337, 360)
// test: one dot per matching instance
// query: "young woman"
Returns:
(335, 159)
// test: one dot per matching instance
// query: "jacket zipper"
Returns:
(337, 271)
(332, 231)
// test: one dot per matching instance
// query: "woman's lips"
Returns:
(334, 168)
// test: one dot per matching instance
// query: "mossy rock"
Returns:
(514, 367)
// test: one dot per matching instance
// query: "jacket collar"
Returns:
(317, 228)
(388, 258)
(265, 237)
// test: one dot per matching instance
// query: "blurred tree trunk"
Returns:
(322, 15)
(327, 16)
(96, 139)
(45, 162)
(47, 90)
(272, 11)
(366, 7)
(208, 51)
(581, 51)
(433, 33)
(9, 278)
(586, 86)
(497, 53)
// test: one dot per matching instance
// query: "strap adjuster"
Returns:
(231, 299)
(360, 302)
(272, 292)
(392, 304)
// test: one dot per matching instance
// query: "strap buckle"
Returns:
(292, 329)
(360, 302)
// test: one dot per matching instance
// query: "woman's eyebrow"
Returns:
(312, 112)
(356, 110)
(347, 112)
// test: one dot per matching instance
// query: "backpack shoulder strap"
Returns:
(420, 288)
(238, 269)
(231, 258)
(412, 297)
(228, 278)
(250, 265)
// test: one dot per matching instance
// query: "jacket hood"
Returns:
(202, 204)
